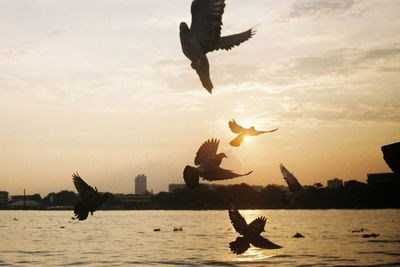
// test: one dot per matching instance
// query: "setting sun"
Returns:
(246, 139)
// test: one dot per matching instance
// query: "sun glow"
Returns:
(246, 139)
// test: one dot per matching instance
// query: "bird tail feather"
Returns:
(238, 140)
(80, 210)
(240, 245)
(191, 176)
(203, 70)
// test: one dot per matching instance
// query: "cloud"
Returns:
(317, 8)
(380, 53)
(16, 51)
(58, 32)
(352, 60)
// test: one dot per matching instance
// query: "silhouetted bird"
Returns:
(204, 36)
(391, 154)
(250, 233)
(89, 199)
(295, 187)
(243, 132)
(208, 162)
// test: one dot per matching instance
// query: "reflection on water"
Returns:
(121, 238)
(254, 254)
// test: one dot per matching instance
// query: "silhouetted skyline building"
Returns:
(141, 184)
(335, 183)
(3, 199)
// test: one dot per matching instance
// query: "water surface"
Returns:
(120, 238)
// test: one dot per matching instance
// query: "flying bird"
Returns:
(250, 233)
(89, 199)
(243, 132)
(204, 35)
(391, 154)
(208, 161)
(295, 188)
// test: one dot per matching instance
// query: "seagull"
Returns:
(294, 186)
(204, 35)
(243, 132)
(208, 162)
(89, 199)
(250, 233)
(391, 154)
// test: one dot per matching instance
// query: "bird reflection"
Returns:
(208, 162)
(204, 35)
(89, 199)
(244, 132)
(250, 233)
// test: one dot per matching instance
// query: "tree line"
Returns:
(352, 195)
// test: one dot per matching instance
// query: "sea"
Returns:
(128, 238)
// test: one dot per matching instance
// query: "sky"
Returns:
(103, 88)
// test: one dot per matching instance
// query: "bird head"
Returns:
(183, 27)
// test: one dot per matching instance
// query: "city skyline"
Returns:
(104, 89)
(334, 183)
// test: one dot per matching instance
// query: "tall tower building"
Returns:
(140, 184)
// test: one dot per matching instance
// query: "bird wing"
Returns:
(291, 180)
(218, 173)
(391, 154)
(230, 41)
(262, 132)
(191, 177)
(237, 220)
(238, 140)
(86, 192)
(262, 242)
(207, 151)
(207, 22)
(257, 226)
(203, 70)
(235, 128)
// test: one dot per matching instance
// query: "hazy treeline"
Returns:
(353, 195)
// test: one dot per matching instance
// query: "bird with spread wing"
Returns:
(204, 35)
(391, 154)
(208, 161)
(250, 233)
(295, 187)
(89, 199)
(243, 132)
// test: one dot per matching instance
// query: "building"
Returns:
(34, 197)
(25, 202)
(335, 183)
(383, 178)
(141, 184)
(3, 199)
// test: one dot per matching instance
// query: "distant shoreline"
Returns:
(208, 209)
